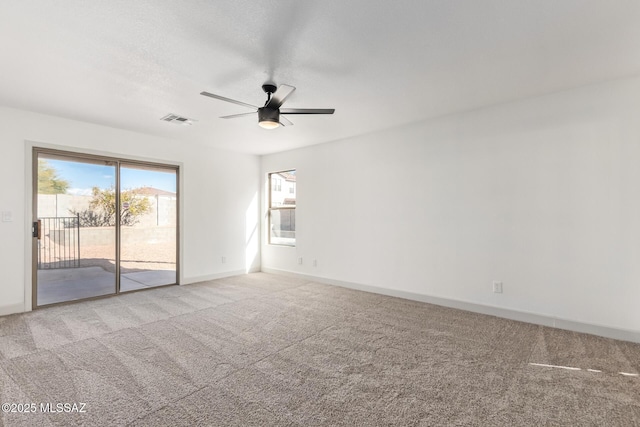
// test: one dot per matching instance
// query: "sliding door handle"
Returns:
(36, 228)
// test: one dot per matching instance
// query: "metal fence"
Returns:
(59, 242)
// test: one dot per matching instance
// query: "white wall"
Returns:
(542, 194)
(215, 214)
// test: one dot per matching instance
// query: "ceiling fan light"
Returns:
(268, 124)
(268, 118)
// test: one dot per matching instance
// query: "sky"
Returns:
(84, 176)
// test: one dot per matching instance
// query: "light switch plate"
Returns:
(7, 216)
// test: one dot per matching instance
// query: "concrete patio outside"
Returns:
(70, 284)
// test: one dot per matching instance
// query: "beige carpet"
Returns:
(270, 350)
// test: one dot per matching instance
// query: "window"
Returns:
(282, 210)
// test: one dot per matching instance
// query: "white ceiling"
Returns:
(378, 63)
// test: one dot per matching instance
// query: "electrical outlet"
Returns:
(223, 259)
(497, 287)
(315, 262)
(7, 216)
(300, 260)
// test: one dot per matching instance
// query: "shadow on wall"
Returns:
(251, 233)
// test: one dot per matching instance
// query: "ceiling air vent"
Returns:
(174, 118)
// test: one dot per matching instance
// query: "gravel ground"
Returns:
(143, 256)
(137, 257)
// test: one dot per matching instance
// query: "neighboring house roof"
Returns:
(288, 176)
(150, 191)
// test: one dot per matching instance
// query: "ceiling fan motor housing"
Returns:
(268, 115)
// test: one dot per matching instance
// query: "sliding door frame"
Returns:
(117, 162)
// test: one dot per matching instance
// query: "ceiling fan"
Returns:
(271, 115)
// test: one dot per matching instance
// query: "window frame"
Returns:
(271, 208)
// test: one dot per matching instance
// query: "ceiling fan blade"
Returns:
(307, 110)
(284, 121)
(233, 116)
(279, 96)
(233, 101)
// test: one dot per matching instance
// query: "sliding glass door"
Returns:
(148, 226)
(101, 226)
(75, 238)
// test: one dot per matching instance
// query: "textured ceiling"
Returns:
(378, 63)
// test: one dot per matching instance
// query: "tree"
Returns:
(49, 181)
(102, 208)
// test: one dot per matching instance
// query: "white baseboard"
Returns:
(522, 316)
(190, 280)
(11, 309)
